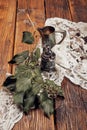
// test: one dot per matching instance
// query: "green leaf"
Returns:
(27, 37)
(53, 89)
(18, 98)
(29, 101)
(36, 88)
(23, 71)
(47, 106)
(37, 53)
(43, 96)
(23, 84)
(19, 58)
(10, 83)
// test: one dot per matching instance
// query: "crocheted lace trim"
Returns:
(9, 113)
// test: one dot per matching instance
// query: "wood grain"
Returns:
(79, 14)
(57, 8)
(36, 119)
(78, 9)
(7, 33)
(70, 113)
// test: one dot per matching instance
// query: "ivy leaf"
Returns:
(47, 107)
(23, 84)
(19, 58)
(27, 37)
(29, 101)
(53, 89)
(18, 98)
(43, 96)
(23, 71)
(46, 104)
(35, 55)
(10, 83)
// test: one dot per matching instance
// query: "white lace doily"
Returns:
(9, 113)
(68, 54)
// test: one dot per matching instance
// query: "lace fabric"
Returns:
(9, 113)
(71, 54)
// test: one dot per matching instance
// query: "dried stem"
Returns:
(31, 22)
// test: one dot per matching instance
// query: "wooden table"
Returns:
(71, 113)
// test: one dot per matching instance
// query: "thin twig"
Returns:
(31, 21)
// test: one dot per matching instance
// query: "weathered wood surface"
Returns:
(7, 34)
(78, 9)
(71, 113)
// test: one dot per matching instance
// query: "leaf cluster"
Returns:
(29, 89)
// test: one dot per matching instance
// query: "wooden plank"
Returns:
(36, 12)
(78, 10)
(35, 120)
(79, 14)
(7, 29)
(73, 110)
(70, 113)
(83, 94)
(57, 8)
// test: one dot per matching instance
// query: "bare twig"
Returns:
(31, 22)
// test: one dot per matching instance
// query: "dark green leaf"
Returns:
(47, 107)
(18, 98)
(27, 37)
(37, 53)
(53, 89)
(10, 83)
(23, 71)
(60, 93)
(29, 101)
(43, 96)
(23, 84)
(9, 80)
(19, 58)
(36, 88)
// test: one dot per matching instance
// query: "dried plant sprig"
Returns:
(31, 22)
